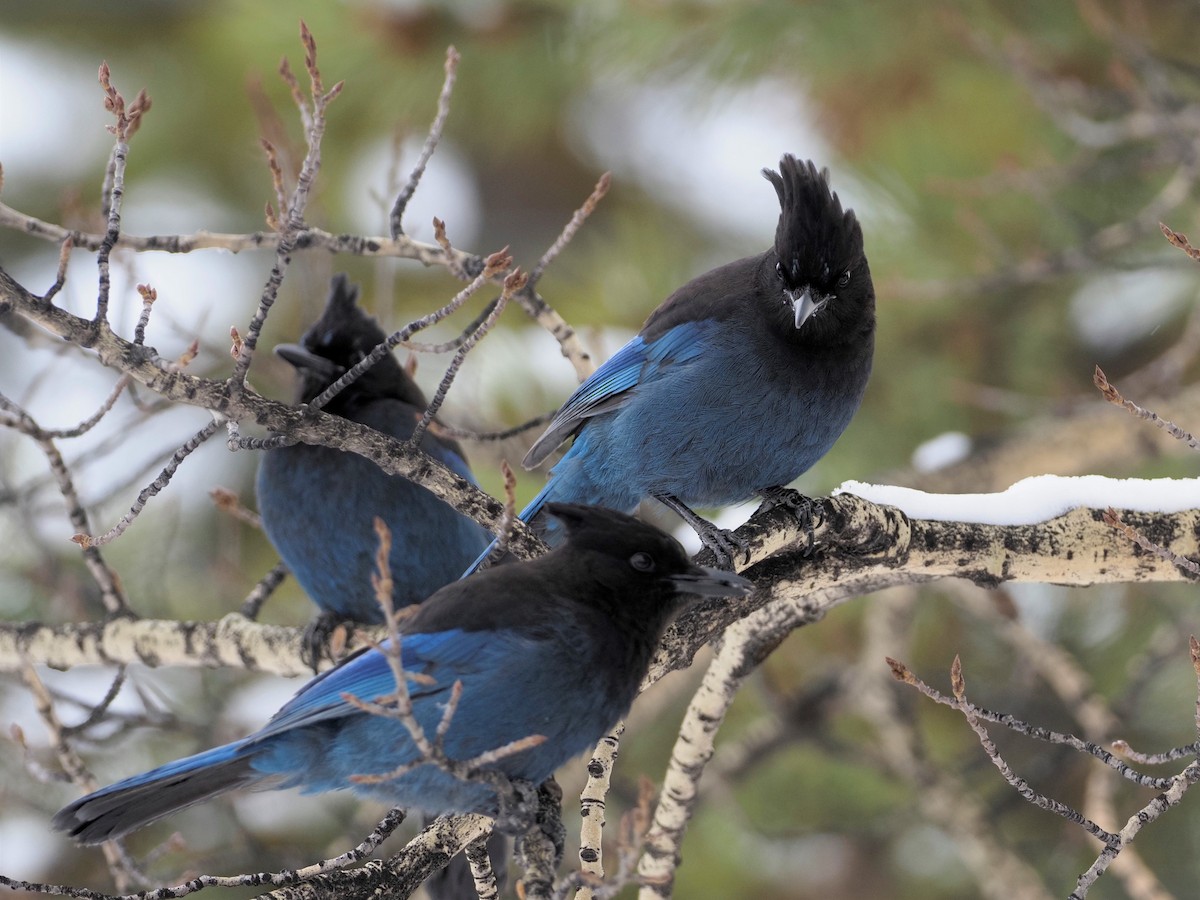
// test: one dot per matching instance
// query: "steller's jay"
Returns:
(737, 384)
(318, 504)
(555, 646)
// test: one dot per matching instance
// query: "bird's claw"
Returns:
(804, 510)
(726, 546)
(316, 640)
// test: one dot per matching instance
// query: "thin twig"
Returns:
(496, 263)
(569, 230)
(1175, 239)
(902, 673)
(86, 540)
(227, 502)
(514, 282)
(431, 141)
(111, 592)
(263, 590)
(293, 217)
(1112, 395)
(128, 120)
(93, 420)
(149, 295)
(508, 520)
(1155, 808)
(466, 434)
(1016, 781)
(123, 873)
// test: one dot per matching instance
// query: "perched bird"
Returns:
(554, 647)
(738, 383)
(318, 504)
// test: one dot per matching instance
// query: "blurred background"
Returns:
(1009, 162)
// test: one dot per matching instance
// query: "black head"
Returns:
(816, 276)
(335, 342)
(647, 564)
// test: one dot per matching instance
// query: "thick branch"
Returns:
(861, 547)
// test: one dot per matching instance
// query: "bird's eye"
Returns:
(643, 562)
(845, 279)
(779, 270)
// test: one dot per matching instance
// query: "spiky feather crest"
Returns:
(815, 239)
(344, 334)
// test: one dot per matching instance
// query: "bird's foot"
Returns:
(322, 636)
(804, 510)
(724, 544)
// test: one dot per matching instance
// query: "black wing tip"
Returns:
(542, 448)
(84, 830)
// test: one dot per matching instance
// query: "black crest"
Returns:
(815, 239)
(342, 337)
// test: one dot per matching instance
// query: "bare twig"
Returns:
(1020, 784)
(86, 540)
(112, 594)
(431, 142)
(127, 123)
(227, 502)
(94, 419)
(1175, 239)
(1156, 807)
(903, 674)
(292, 219)
(572, 227)
(123, 873)
(496, 263)
(149, 295)
(514, 282)
(508, 520)
(443, 240)
(263, 590)
(465, 434)
(1112, 395)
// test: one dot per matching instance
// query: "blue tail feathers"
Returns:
(129, 804)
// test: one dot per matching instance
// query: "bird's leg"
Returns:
(725, 545)
(804, 509)
(314, 643)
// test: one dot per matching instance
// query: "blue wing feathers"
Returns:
(611, 386)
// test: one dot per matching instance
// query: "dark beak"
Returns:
(705, 582)
(304, 359)
(803, 305)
